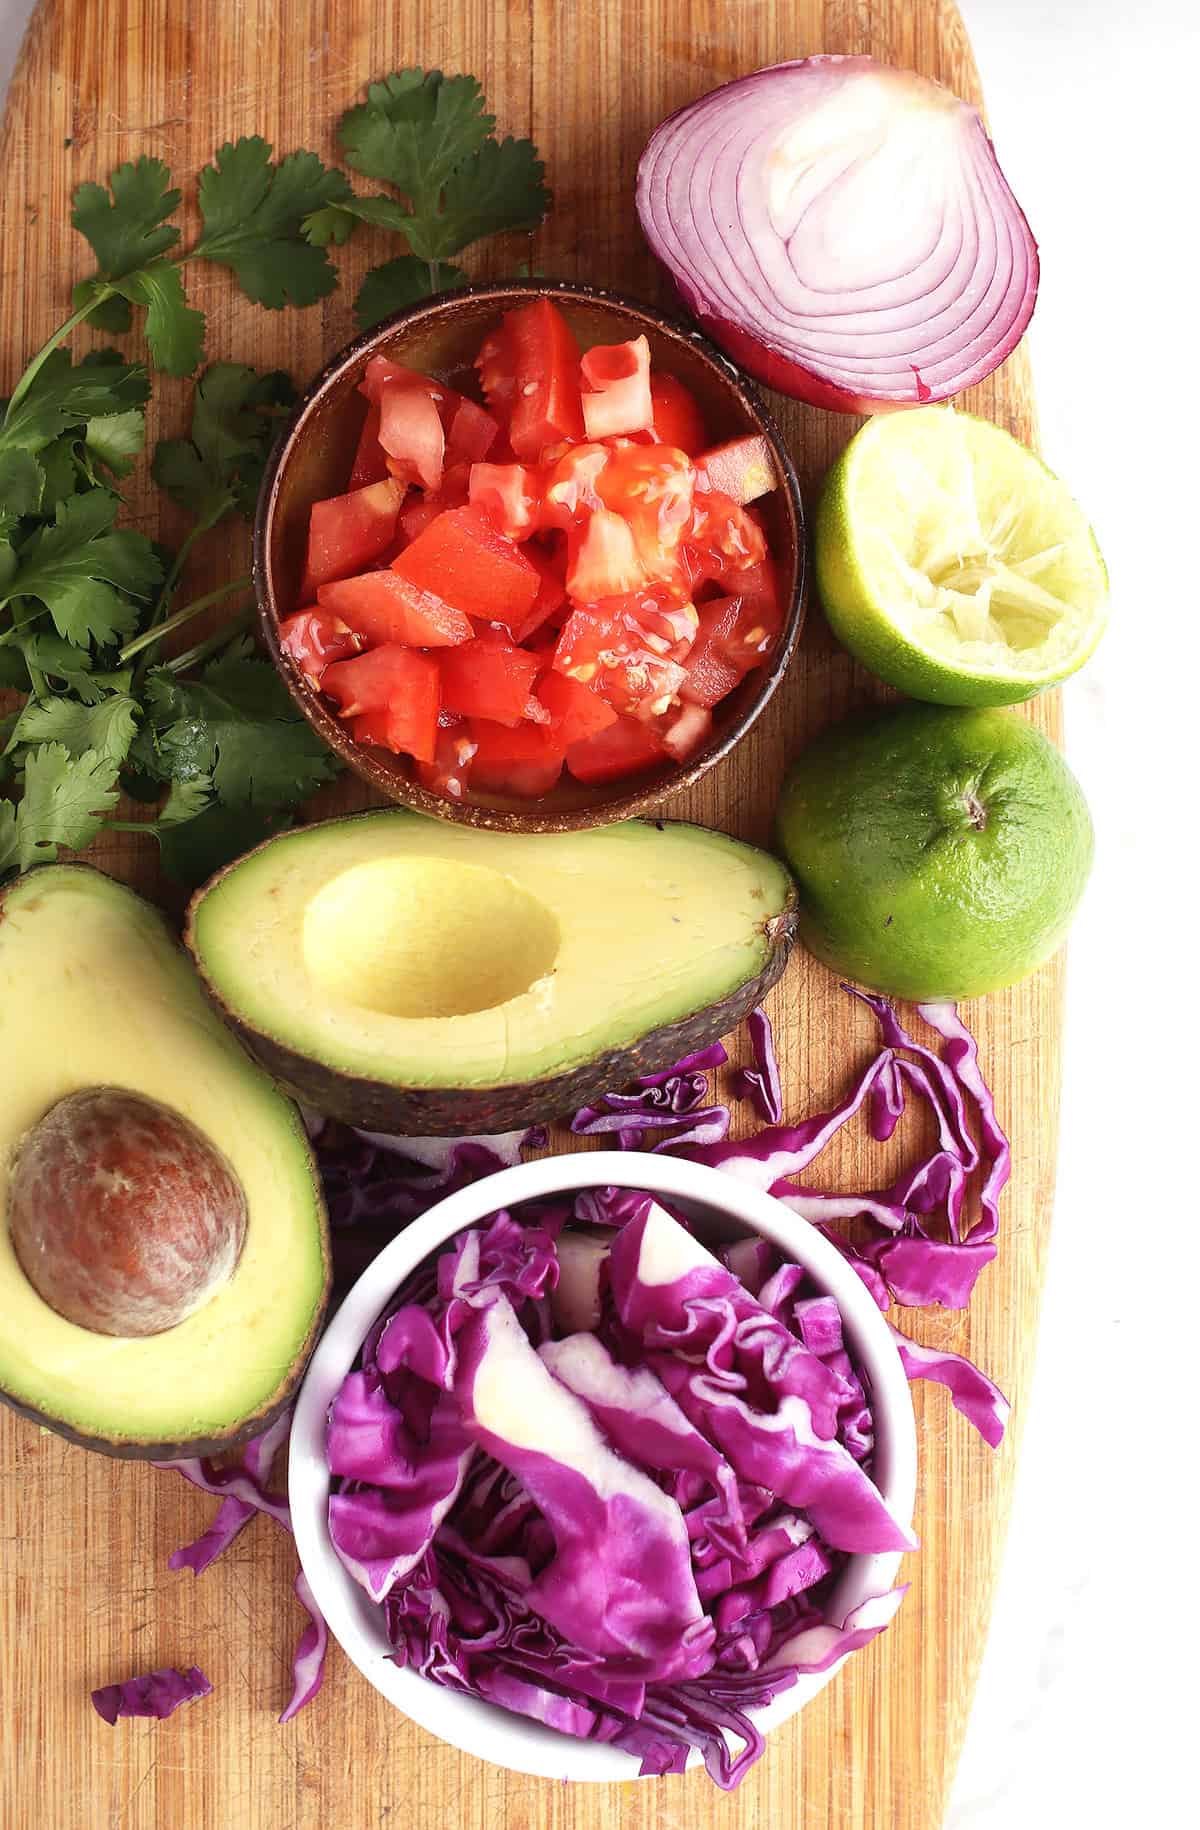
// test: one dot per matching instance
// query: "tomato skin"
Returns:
(616, 380)
(346, 532)
(734, 635)
(312, 639)
(742, 469)
(488, 678)
(525, 761)
(398, 682)
(545, 403)
(384, 607)
(575, 711)
(383, 371)
(462, 558)
(626, 747)
(370, 458)
(675, 418)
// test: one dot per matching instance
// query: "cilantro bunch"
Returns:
(210, 735)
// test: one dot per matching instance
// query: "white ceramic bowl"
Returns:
(722, 1208)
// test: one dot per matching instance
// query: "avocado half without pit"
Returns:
(410, 976)
(164, 1260)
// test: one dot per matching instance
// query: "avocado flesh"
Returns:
(410, 974)
(94, 990)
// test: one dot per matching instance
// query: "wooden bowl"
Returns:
(312, 460)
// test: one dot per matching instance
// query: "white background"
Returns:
(1084, 1715)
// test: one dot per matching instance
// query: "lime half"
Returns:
(953, 564)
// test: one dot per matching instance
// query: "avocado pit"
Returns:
(124, 1216)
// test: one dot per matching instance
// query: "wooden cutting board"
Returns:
(85, 1593)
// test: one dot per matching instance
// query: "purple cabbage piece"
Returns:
(761, 1083)
(762, 1398)
(817, 1646)
(671, 1102)
(254, 1463)
(156, 1693)
(620, 1582)
(308, 1660)
(971, 1391)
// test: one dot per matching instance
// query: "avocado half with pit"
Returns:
(411, 976)
(164, 1257)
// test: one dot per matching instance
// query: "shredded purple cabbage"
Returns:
(915, 1244)
(155, 1693)
(631, 1533)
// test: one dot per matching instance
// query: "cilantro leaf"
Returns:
(21, 483)
(337, 221)
(414, 129)
(191, 850)
(398, 284)
(253, 213)
(500, 187)
(174, 331)
(128, 229)
(10, 842)
(65, 800)
(14, 674)
(62, 473)
(238, 725)
(85, 572)
(116, 439)
(106, 728)
(235, 415)
(186, 800)
(61, 396)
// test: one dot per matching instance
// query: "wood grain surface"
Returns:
(84, 1589)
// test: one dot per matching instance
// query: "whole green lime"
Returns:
(939, 853)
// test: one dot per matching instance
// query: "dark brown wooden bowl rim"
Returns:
(637, 798)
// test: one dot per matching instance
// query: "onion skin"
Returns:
(701, 258)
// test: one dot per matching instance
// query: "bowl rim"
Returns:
(466, 1722)
(639, 797)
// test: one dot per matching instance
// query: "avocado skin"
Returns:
(373, 1105)
(145, 1449)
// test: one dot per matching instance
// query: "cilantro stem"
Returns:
(179, 617)
(180, 663)
(51, 344)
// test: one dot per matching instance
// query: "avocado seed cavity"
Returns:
(124, 1217)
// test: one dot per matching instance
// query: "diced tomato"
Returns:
(411, 432)
(616, 382)
(312, 639)
(525, 760)
(722, 539)
(552, 590)
(508, 494)
(687, 732)
(585, 641)
(470, 432)
(488, 678)
(448, 773)
(656, 617)
(625, 747)
(370, 727)
(735, 634)
(346, 532)
(640, 684)
(383, 372)
(759, 586)
(386, 607)
(742, 469)
(545, 395)
(398, 682)
(575, 711)
(370, 459)
(651, 487)
(603, 561)
(569, 489)
(425, 506)
(496, 366)
(461, 557)
(675, 417)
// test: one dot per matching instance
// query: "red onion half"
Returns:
(843, 230)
